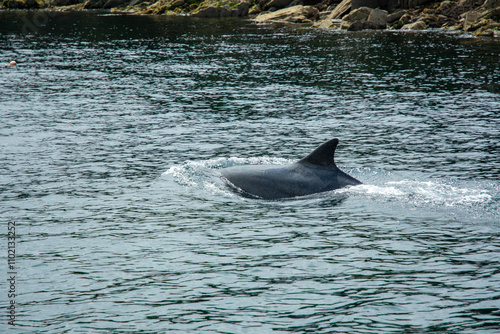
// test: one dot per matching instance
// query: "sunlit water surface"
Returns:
(113, 133)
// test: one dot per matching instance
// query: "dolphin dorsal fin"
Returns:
(323, 155)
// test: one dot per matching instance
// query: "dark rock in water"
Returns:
(365, 18)
(114, 3)
(94, 4)
(357, 15)
(361, 25)
(471, 21)
(490, 4)
(277, 4)
(20, 4)
(390, 5)
(393, 17)
(355, 4)
(57, 3)
(105, 4)
(378, 18)
(405, 4)
(419, 25)
(406, 19)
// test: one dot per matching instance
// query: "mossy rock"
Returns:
(167, 6)
(224, 8)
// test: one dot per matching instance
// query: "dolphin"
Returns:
(315, 173)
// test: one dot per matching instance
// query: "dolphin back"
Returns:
(315, 173)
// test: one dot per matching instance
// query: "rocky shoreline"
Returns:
(477, 17)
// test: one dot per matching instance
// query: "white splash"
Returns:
(418, 192)
(204, 174)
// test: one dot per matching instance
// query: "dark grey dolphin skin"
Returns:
(314, 174)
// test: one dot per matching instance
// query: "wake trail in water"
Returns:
(478, 198)
(425, 192)
(469, 199)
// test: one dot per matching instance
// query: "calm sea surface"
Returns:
(114, 130)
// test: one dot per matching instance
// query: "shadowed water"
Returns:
(114, 130)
